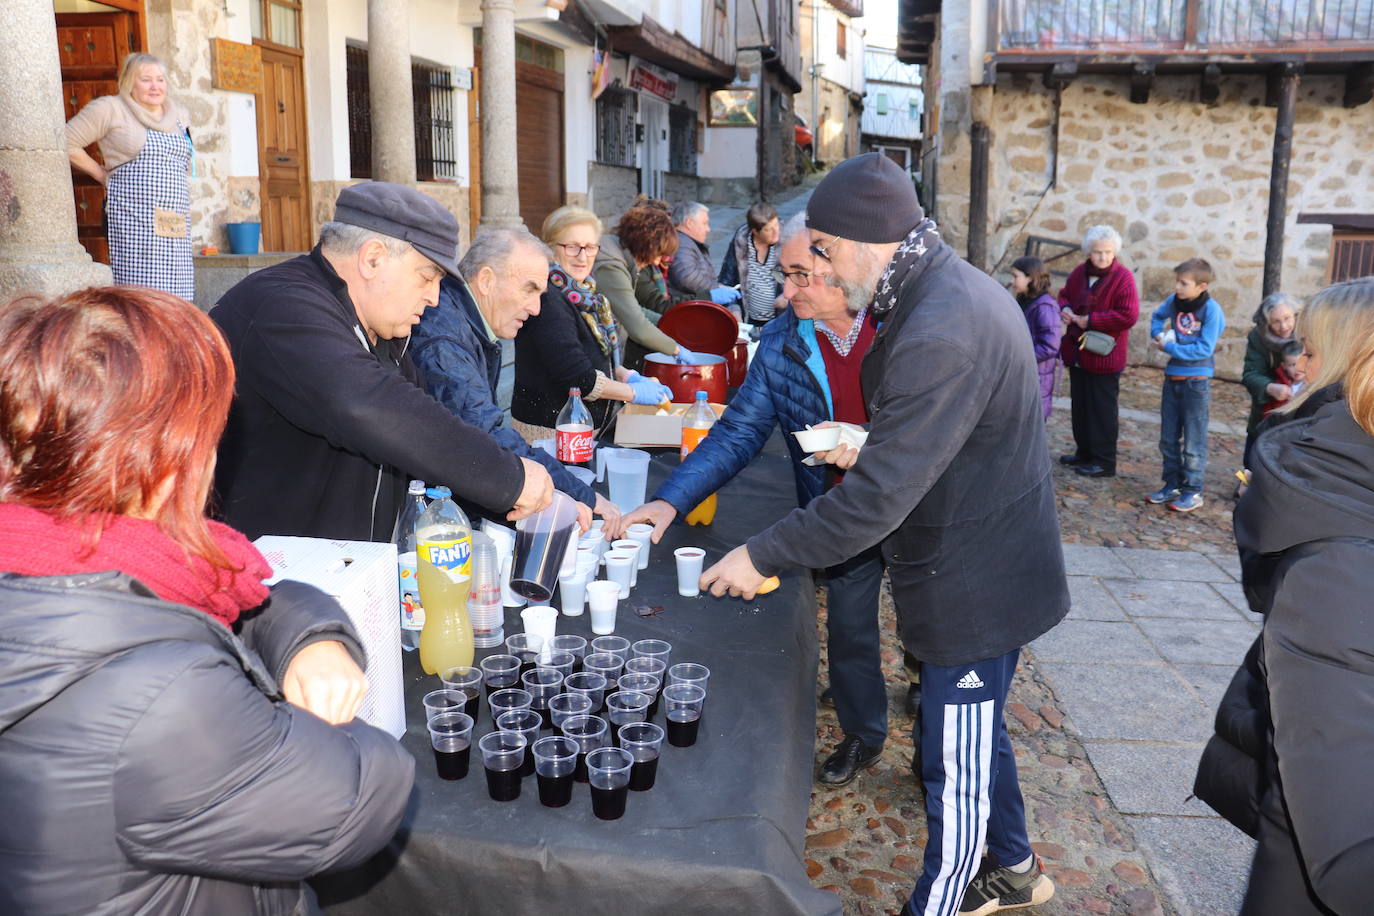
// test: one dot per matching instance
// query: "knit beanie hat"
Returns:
(868, 198)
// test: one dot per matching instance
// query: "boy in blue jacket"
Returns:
(1186, 326)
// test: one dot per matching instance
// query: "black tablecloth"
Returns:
(721, 832)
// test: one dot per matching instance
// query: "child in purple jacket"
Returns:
(1030, 283)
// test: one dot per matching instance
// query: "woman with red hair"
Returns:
(173, 738)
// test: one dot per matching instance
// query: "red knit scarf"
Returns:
(35, 543)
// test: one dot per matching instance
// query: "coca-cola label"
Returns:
(574, 443)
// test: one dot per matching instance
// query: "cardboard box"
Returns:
(641, 426)
(361, 576)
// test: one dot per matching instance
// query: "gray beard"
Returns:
(859, 293)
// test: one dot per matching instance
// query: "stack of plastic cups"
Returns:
(484, 599)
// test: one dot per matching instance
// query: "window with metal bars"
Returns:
(432, 94)
(682, 140)
(615, 126)
(432, 87)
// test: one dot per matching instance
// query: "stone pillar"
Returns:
(391, 104)
(500, 188)
(38, 246)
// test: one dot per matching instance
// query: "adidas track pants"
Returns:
(969, 772)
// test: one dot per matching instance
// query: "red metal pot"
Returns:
(712, 375)
(738, 362)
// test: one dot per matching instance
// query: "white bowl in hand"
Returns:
(818, 440)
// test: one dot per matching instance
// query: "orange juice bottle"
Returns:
(695, 425)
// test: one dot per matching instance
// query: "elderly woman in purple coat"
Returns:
(1030, 283)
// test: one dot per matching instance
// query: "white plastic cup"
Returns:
(629, 545)
(620, 568)
(541, 621)
(627, 475)
(602, 597)
(689, 563)
(572, 591)
(644, 535)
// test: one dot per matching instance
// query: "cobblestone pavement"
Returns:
(865, 840)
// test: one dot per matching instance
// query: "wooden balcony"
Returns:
(1181, 32)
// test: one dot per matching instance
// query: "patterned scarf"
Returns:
(592, 306)
(917, 242)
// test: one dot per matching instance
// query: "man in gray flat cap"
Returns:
(330, 419)
(954, 484)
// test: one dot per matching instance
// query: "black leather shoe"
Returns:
(828, 697)
(848, 759)
(912, 703)
(1094, 470)
(1072, 459)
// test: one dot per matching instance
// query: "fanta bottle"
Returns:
(443, 547)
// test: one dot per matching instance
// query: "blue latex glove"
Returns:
(649, 391)
(724, 295)
(685, 356)
(631, 376)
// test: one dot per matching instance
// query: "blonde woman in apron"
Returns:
(145, 141)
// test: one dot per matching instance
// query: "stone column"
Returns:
(38, 246)
(391, 104)
(500, 188)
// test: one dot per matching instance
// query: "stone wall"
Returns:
(1176, 177)
(179, 32)
(613, 187)
(678, 187)
(837, 130)
(455, 199)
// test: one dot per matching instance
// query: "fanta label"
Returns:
(454, 556)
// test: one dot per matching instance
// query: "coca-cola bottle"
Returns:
(573, 431)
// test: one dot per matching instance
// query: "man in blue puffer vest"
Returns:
(806, 371)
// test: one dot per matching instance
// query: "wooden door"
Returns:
(282, 152)
(538, 142)
(91, 47)
(475, 148)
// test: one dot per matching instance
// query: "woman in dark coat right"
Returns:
(1306, 535)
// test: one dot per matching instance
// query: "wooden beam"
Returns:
(1278, 179)
(1142, 76)
(1209, 89)
(1060, 74)
(1359, 85)
(979, 142)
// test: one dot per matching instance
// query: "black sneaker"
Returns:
(1072, 459)
(852, 755)
(995, 889)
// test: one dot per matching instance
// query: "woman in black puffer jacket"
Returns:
(173, 739)
(1305, 531)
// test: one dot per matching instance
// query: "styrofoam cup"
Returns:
(644, 535)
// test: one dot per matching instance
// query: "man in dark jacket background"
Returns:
(691, 275)
(329, 419)
(457, 346)
(797, 379)
(954, 483)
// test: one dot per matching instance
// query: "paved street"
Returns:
(1138, 668)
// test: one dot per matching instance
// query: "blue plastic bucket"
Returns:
(244, 237)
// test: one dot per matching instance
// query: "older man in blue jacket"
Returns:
(806, 371)
(457, 346)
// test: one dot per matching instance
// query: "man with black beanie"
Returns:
(954, 485)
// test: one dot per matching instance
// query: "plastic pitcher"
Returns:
(541, 542)
(627, 475)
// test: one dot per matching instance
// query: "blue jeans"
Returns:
(1183, 407)
(856, 665)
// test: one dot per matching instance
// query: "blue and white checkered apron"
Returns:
(155, 178)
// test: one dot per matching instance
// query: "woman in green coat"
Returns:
(1275, 320)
